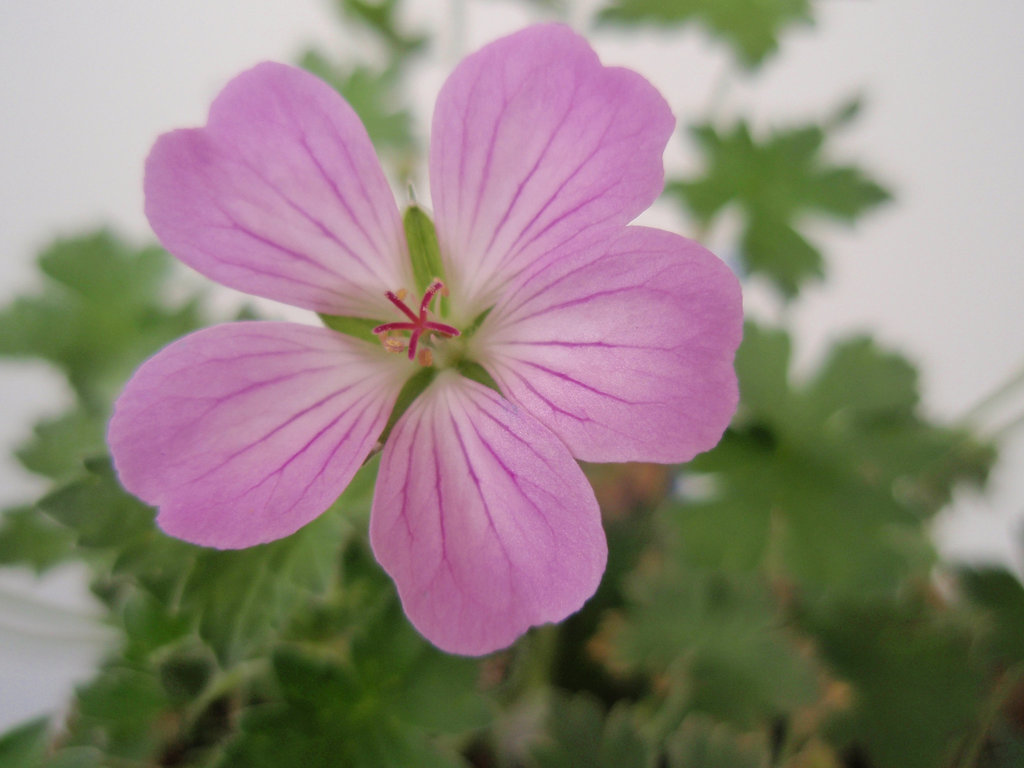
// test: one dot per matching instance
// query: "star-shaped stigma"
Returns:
(417, 325)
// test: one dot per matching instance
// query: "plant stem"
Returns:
(1006, 686)
(993, 398)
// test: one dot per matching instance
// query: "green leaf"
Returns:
(751, 27)
(27, 537)
(99, 315)
(860, 379)
(59, 446)
(150, 627)
(423, 249)
(240, 600)
(775, 248)
(185, 674)
(406, 677)
(721, 533)
(380, 17)
(718, 637)
(700, 742)
(120, 714)
(776, 183)
(580, 736)
(244, 599)
(916, 683)
(383, 707)
(828, 480)
(104, 518)
(25, 745)
(373, 96)
(1000, 595)
(77, 757)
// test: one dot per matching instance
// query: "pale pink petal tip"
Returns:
(243, 433)
(280, 195)
(483, 519)
(537, 149)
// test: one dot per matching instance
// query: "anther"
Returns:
(391, 344)
(425, 357)
(444, 288)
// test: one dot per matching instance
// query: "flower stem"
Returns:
(1004, 431)
(1003, 691)
(541, 658)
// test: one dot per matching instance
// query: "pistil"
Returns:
(417, 326)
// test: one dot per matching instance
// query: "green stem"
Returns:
(1006, 686)
(224, 682)
(1003, 432)
(993, 398)
(719, 91)
(541, 658)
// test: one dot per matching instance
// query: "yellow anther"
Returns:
(391, 344)
(425, 357)
(401, 293)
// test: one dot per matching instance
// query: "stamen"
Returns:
(418, 326)
(391, 344)
(425, 357)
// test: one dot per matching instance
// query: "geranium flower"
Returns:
(600, 341)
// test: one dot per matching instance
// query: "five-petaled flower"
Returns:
(600, 340)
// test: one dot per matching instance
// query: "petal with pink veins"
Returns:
(627, 356)
(535, 148)
(243, 433)
(483, 519)
(281, 195)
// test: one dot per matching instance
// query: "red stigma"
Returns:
(418, 324)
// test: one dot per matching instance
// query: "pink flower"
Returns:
(608, 342)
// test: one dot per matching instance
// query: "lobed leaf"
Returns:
(99, 314)
(916, 682)
(776, 182)
(832, 476)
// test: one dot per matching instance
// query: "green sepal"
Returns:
(477, 322)
(359, 327)
(424, 250)
(477, 373)
(410, 391)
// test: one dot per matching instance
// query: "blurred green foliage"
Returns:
(777, 602)
(751, 27)
(580, 734)
(100, 312)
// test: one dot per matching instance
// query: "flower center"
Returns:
(418, 326)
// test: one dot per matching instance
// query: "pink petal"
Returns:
(536, 147)
(628, 356)
(483, 519)
(243, 433)
(282, 196)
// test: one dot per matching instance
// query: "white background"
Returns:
(87, 85)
